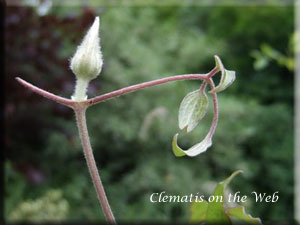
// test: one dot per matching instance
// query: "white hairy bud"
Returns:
(87, 61)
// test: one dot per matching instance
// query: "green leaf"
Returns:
(194, 150)
(198, 212)
(192, 109)
(219, 63)
(227, 77)
(215, 211)
(239, 212)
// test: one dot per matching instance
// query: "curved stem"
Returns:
(46, 94)
(213, 72)
(143, 85)
(203, 86)
(113, 94)
(80, 109)
(89, 156)
(216, 110)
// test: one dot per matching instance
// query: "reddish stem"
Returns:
(213, 72)
(46, 94)
(116, 93)
(216, 109)
(91, 163)
(80, 107)
(140, 86)
(203, 86)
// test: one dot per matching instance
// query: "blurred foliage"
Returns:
(268, 53)
(255, 132)
(51, 207)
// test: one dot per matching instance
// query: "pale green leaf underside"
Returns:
(192, 109)
(194, 150)
(215, 210)
(239, 212)
(219, 63)
(198, 212)
(227, 77)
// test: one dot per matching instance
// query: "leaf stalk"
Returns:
(80, 107)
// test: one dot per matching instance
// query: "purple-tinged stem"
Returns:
(80, 108)
(216, 110)
(213, 72)
(116, 93)
(136, 87)
(203, 86)
(46, 94)
(91, 163)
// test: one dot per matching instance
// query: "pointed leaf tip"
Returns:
(216, 213)
(176, 149)
(192, 151)
(87, 61)
(228, 180)
(227, 77)
(219, 63)
(240, 213)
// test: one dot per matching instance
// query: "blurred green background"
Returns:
(46, 177)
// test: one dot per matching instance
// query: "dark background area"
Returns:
(45, 173)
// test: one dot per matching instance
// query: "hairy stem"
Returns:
(80, 108)
(113, 94)
(203, 86)
(89, 156)
(140, 86)
(80, 90)
(46, 94)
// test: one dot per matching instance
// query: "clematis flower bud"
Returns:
(87, 61)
